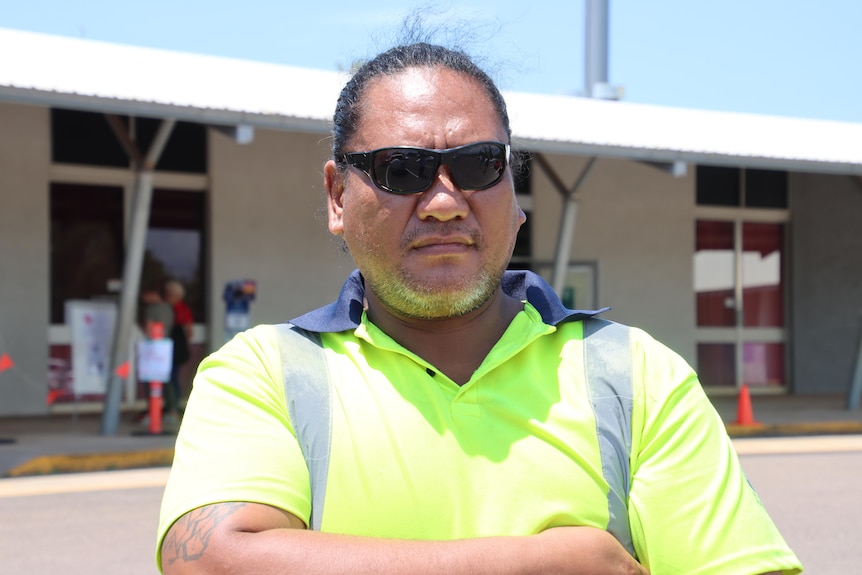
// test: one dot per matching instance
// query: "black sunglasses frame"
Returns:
(365, 162)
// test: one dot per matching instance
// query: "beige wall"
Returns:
(268, 223)
(637, 223)
(24, 234)
(825, 319)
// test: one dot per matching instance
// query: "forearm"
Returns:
(324, 554)
(207, 547)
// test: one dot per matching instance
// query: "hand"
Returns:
(590, 551)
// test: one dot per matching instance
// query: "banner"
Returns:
(154, 359)
(92, 326)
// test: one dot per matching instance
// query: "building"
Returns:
(732, 238)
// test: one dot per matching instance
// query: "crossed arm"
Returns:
(238, 538)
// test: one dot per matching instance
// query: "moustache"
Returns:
(442, 229)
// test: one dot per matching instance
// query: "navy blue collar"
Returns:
(345, 313)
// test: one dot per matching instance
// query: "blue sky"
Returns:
(785, 57)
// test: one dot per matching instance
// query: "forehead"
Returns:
(427, 106)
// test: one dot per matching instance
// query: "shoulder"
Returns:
(252, 354)
(258, 341)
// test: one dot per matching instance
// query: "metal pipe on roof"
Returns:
(596, 48)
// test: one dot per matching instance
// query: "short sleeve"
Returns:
(236, 442)
(691, 509)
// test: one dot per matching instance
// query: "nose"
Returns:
(443, 201)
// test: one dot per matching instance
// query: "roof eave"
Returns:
(690, 157)
(209, 116)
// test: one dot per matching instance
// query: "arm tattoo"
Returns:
(189, 538)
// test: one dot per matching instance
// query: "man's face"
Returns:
(439, 253)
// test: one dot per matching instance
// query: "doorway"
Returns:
(739, 289)
(740, 266)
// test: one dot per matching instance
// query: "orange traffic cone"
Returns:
(744, 412)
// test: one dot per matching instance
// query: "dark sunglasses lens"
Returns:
(479, 166)
(404, 171)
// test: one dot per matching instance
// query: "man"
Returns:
(459, 434)
(155, 310)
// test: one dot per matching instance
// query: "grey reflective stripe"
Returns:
(608, 366)
(307, 390)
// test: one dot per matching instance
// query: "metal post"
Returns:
(128, 297)
(856, 384)
(596, 48)
(738, 304)
(132, 269)
(564, 244)
(567, 232)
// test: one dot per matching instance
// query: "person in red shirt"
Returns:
(181, 334)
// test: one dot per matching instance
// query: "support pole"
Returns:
(135, 244)
(567, 231)
(564, 243)
(856, 385)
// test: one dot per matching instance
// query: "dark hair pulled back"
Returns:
(395, 60)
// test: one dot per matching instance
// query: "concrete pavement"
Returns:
(68, 443)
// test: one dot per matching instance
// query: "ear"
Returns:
(333, 181)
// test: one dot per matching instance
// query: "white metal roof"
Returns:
(84, 74)
(98, 76)
(606, 128)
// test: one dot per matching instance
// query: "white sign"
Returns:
(92, 327)
(155, 357)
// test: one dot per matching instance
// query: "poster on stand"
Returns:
(155, 357)
(92, 326)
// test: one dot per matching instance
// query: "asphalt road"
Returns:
(81, 524)
(814, 495)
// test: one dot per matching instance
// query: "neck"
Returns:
(456, 346)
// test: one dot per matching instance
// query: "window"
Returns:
(175, 244)
(765, 189)
(86, 138)
(718, 186)
(87, 221)
(739, 261)
(87, 249)
(737, 187)
(522, 173)
(522, 167)
(714, 273)
(86, 243)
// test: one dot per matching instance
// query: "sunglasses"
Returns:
(404, 170)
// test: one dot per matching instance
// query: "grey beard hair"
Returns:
(400, 295)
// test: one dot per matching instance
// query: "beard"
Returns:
(417, 297)
(406, 295)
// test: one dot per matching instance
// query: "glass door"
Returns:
(738, 281)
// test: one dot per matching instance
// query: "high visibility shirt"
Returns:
(514, 451)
